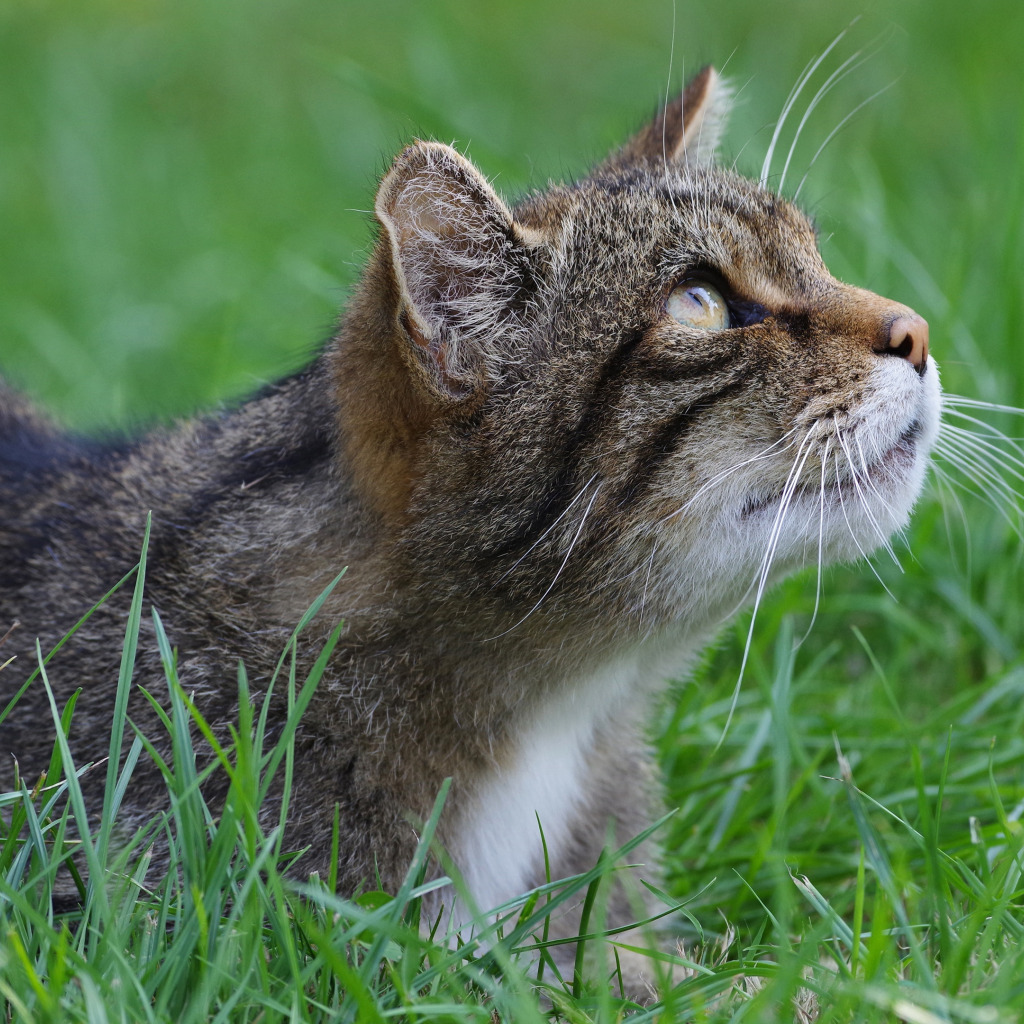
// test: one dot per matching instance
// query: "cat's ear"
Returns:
(460, 262)
(686, 130)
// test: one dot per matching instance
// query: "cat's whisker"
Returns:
(668, 98)
(821, 544)
(864, 504)
(647, 581)
(558, 574)
(947, 489)
(853, 533)
(986, 460)
(540, 539)
(986, 449)
(765, 453)
(612, 581)
(992, 435)
(785, 500)
(979, 470)
(863, 457)
(848, 65)
(983, 481)
(835, 131)
(879, 497)
(978, 403)
(764, 571)
(856, 478)
(988, 428)
(986, 464)
(1005, 509)
(794, 95)
(753, 583)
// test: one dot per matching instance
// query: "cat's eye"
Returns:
(698, 303)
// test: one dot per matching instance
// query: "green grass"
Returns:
(183, 191)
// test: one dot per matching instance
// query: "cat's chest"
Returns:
(542, 782)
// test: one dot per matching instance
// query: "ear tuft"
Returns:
(686, 130)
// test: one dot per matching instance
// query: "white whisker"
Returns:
(853, 533)
(883, 537)
(794, 95)
(668, 95)
(956, 410)
(847, 66)
(765, 453)
(967, 451)
(986, 449)
(985, 430)
(947, 488)
(565, 512)
(821, 544)
(982, 480)
(761, 578)
(978, 403)
(551, 585)
(832, 134)
(647, 581)
(869, 482)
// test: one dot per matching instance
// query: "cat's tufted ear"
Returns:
(462, 266)
(687, 130)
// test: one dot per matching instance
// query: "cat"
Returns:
(556, 446)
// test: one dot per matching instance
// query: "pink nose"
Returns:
(908, 338)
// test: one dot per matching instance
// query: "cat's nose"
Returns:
(908, 339)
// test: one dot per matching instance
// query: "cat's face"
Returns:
(724, 374)
(647, 392)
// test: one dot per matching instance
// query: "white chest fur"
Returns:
(544, 776)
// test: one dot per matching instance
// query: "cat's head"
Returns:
(631, 393)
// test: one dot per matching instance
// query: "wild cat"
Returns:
(557, 445)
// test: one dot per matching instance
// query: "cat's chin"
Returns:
(890, 481)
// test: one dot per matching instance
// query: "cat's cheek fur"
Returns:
(850, 497)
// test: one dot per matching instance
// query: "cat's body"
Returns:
(551, 477)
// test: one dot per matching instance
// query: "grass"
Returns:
(866, 870)
(819, 877)
(180, 217)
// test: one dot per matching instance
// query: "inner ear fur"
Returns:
(460, 265)
(686, 130)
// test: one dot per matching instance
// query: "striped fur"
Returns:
(548, 493)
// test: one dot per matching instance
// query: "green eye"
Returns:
(695, 303)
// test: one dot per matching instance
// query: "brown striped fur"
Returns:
(536, 479)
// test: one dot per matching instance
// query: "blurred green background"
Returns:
(184, 185)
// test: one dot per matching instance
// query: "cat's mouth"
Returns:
(849, 482)
(899, 456)
(756, 504)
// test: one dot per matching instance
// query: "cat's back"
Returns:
(224, 493)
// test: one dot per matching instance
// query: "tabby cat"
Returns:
(556, 445)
